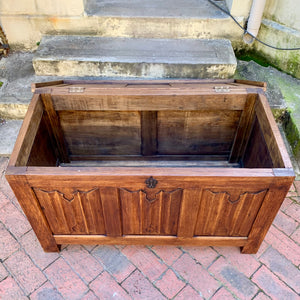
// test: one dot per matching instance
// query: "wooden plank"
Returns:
(53, 121)
(132, 211)
(111, 211)
(151, 81)
(106, 174)
(148, 133)
(171, 207)
(101, 132)
(33, 211)
(243, 130)
(147, 163)
(257, 154)
(43, 149)
(253, 83)
(267, 213)
(196, 132)
(150, 240)
(152, 214)
(189, 212)
(149, 101)
(157, 84)
(37, 85)
(272, 134)
(149, 158)
(27, 134)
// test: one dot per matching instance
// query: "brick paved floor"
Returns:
(138, 272)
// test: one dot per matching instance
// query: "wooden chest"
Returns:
(150, 162)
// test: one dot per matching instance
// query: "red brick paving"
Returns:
(222, 294)
(204, 255)
(27, 275)
(90, 296)
(246, 263)
(9, 289)
(272, 285)
(168, 254)
(293, 211)
(8, 244)
(284, 245)
(46, 291)
(139, 287)
(282, 267)
(233, 279)
(114, 262)
(66, 280)
(3, 200)
(33, 248)
(170, 284)
(13, 220)
(82, 263)
(139, 272)
(3, 272)
(296, 236)
(106, 287)
(188, 293)
(261, 296)
(285, 223)
(196, 275)
(145, 261)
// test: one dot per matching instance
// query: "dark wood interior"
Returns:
(206, 133)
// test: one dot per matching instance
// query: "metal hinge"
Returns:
(76, 89)
(222, 89)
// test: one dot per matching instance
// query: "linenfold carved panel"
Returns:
(223, 214)
(78, 212)
(150, 211)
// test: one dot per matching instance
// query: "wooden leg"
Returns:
(266, 215)
(33, 211)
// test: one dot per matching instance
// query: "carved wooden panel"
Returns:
(79, 212)
(150, 211)
(224, 214)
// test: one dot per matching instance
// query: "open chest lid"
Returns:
(148, 87)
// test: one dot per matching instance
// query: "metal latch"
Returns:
(76, 89)
(222, 89)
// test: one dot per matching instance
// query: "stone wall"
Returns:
(281, 28)
(24, 22)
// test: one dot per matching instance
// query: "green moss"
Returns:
(1, 83)
(292, 134)
(251, 55)
(279, 114)
(289, 66)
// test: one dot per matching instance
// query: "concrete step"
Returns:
(131, 57)
(156, 19)
(9, 130)
(155, 8)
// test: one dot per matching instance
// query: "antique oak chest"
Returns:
(150, 162)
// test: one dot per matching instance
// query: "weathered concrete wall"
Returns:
(281, 28)
(284, 11)
(42, 7)
(24, 22)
